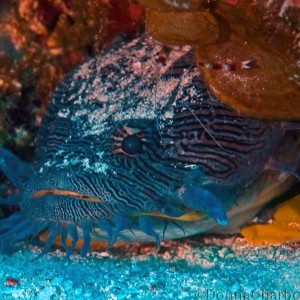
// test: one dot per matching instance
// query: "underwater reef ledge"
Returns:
(181, 270)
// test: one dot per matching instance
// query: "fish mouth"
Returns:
(57, 192)
(186, 216)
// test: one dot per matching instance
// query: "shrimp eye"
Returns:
(132, 144)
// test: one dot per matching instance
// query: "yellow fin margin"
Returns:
(190, 216)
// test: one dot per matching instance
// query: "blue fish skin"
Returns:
(126, 147)
(16, 170)
(201, 199)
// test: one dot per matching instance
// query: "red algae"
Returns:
(41, 41)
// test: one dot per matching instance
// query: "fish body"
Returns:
(132, 151)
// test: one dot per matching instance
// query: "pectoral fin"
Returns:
(199, 199)
(16, 170)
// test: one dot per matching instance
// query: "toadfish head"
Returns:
(126, 145)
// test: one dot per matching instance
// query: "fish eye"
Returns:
(132, 144)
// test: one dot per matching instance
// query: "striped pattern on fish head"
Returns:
(126, 144)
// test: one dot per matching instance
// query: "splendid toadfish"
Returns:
(132, 151)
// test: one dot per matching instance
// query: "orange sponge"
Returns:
(285, 227)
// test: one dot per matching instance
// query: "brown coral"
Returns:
(248, 51)
(40, 41)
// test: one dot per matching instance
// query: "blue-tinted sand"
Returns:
(182, 270)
